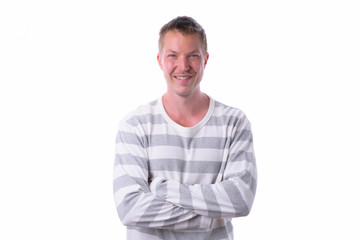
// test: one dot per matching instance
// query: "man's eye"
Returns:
(194, 55)
(171, 55)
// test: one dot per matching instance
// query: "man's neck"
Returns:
(186, 111)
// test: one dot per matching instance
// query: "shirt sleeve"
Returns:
(233, 196)
(136, 204)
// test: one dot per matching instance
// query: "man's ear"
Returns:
(159, 60)
(206, 59)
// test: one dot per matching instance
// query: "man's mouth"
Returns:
(183, 77)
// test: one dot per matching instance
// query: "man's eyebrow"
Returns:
(195, 51)
(169, 51)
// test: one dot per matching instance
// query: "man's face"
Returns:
(183, 62)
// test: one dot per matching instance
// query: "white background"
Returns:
(70, 70)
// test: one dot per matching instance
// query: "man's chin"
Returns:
(184, 93)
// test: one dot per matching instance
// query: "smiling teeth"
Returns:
(182, 78)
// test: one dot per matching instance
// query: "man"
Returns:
(184, 163)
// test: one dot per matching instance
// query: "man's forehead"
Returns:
(177, 39)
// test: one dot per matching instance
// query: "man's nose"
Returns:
(183, 64)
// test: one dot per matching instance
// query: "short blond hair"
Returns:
(185, 25)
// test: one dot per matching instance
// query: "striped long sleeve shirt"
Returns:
(175, 182)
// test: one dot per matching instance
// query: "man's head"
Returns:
(183, 56)
(185, 25)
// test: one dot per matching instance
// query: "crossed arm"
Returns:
(169, 204)
(136, 204)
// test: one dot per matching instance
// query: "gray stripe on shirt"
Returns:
(250, 181)
(247, 178)
(241, 156)
(214, 210)
(185, 196)
(128, 159)
(171, 140)
(236, 198)
(125, 181)
(178, 165)
(145, 119)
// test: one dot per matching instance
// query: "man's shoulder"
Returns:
(142, 114)
(223, 109)
(227, 115)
